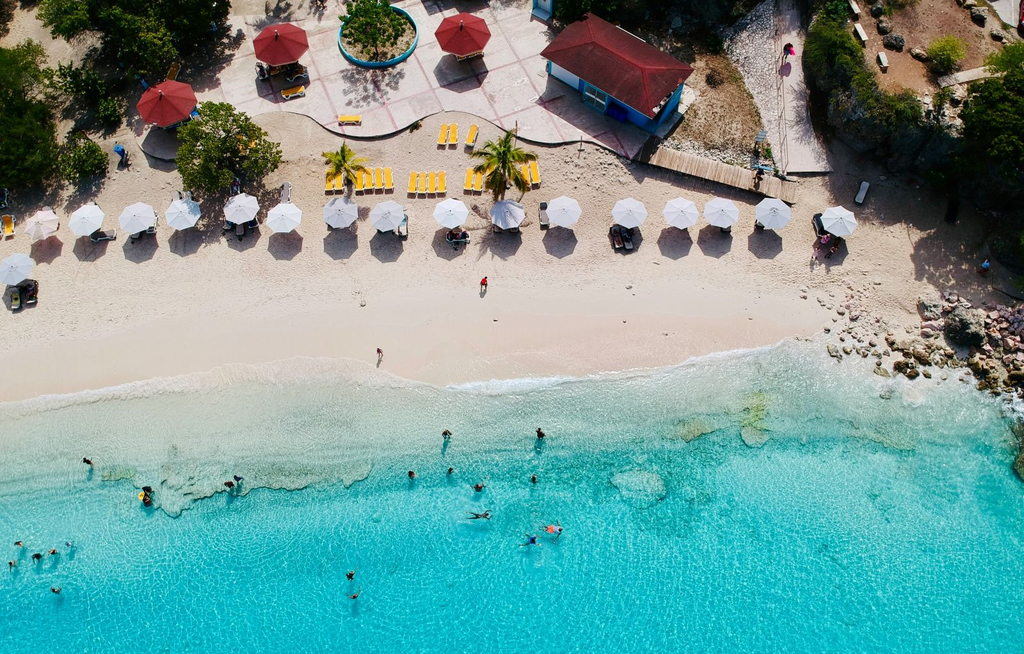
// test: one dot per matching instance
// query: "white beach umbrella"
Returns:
(15, 269)
(341, 212)
(387, 216)
(42, 225)
(507, 214)
(137, 218)
(564, 212)
(681, 213)
(772, 213)
(284, 217)
(451, 213)
(838, 221)
(182, 214)
(86, 219)
(721, 213)
(629, 213)
(241, 208)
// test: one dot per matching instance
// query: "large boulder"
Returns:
(894, 42)
(966, 326)
(930, 309)
(920, 54)
(877, 9)
(979, 15)
(884, 25)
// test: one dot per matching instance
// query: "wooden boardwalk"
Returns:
(722, 173)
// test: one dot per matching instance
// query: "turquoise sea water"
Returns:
(770, 501)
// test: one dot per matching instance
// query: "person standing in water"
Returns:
(446, 434)
(540, 433)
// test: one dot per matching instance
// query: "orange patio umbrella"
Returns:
(167, 103)
(280, 44)
(463, 35)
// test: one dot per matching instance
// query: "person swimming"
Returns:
(355, 595)
(530, 540)
(555, 529)
(451, 471)
(55, 590)
(10, 565)
(87, 461)
(53, 552)
(18, 543)
(412, 474)
(533, 479)
(479, 487)
(446, 434)
(350, 575)
(238, 478)
(37, 557)
(486, 515)
(230, 484)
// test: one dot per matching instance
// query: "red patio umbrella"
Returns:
(463, 34)
(167, 103)
(280, 44)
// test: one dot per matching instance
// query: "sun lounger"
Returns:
(299, 72)
(402, 231)
(543, 213)
(432, 184)
(469, 180)
(339, 183)
(358, 182)
(350, 119)
(616, 233)
(151, 229)
(534, 173)
(471, 137)
(8, 224)
(172, 72)
(423, 184)
(15, 299)
(525, 170)
(453, 134)
(442, 136)
(819, 229)
(286, 192)
(442, 188)
(455, 238)
(862, 193)
(413, 177)
(478, 182)
(31, 291)
(378, 179)
(328, 182)
(389, 182)
(367, 180)
(240, 230)
(294, 92)
(100, 235)
(627, 238)
(253, 224)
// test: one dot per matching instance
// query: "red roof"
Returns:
(463, 34)
(620, 64)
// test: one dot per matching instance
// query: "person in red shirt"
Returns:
(483, 284)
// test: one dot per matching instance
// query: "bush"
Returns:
(992, 118)
(109, 112)
(80, 157)
(714, 78)
(946, 53)
(27, 130)
(1011, 57)
(82, 83)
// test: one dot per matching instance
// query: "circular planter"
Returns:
(390, 62)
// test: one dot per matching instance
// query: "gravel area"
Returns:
(751, 46)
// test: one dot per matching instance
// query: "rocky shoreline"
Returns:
(954, 338)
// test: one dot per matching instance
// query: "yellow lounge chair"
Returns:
(368, 180)
(8, 224)
(442, 188)
(423, 183)
(469, 180)
(353, 119)
(294, 92)
(328, 182)
(525, 169)
(453, 134)
(534, 173)
(478, 182)
(389, 183)
(339, 183)
(432, 185)
(442, 136)
(359, 182)
(412, 182)
(172, 72)
(378, 179)
(471, 137)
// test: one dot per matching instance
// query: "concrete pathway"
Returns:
(801, 151)
(508, 86)
(964, 76)
(1007, 10)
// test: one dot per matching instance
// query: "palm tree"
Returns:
(502, 162)
(345, 162)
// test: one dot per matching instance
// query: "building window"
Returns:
(595, 97)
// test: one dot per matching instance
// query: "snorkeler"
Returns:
(486, 515)
(530, 540)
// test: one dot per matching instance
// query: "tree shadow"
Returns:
(764, 243)
(444, 249)
(47, 250)
(675, 243)
(560, 242)
(184, 242)
(713, 242)
(386, 247)
(285, 247)
(341, 243)
(86, 250)
(141, 250)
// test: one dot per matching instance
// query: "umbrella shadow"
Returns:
(386, 247)
(713, 242)
(444, 249)
(341, 243)
(764, 243)
(675, 243)
(141, 250)
(47, 250)
(285, 247)
(560, 242)
(502, 245)
(86, 250)
(245, 242)
(184, 242)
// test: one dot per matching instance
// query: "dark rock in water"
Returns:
(877, 9)
(912, 373)
(881, 371)
(884, 25)
(927, 374)
(920, 54)
(833, 352)
(965, 326)
(894, 42)
(979, 16)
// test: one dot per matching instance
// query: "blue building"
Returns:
(617, 73)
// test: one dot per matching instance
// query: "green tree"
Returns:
(373, 25)
(946, 53)
(27, 130)
(142, 44)
(992, 118)
(6, 15)
(222, 144)
(80, 157)
(502, 161)
(344, 162)
(1011, 57)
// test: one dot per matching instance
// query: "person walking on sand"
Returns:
(483, 285)
(380, 355)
